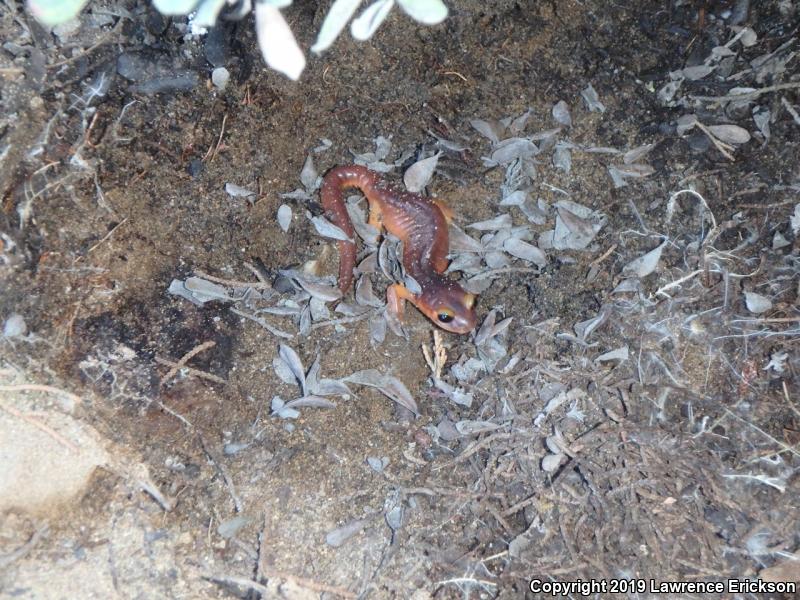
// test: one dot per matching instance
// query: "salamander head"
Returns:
(449, 306)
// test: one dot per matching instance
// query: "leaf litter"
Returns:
(498, 242)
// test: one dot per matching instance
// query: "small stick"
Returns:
(241, 582)
(605, 255)
(254, 270)
(772, 320)
(5, 71)
(149, 488)
(35, 387)
(784, 447)
(88, 133)
(676, 283)
(342, 321)
(724, 148)
(11, 557)
(788, 400)
(232, 282)
(471, 580)
(261, 551)
(748, 96)
(212, 150)
(765, 206)
(108, 235)
(791, 110)
(96, 45)
(502, 271)
(237, 502)
(309, 584)
(477, 446)
(457, 74)
(41, 426)
(263, 323)
(176, 414)
(186, 358)
(190, 371)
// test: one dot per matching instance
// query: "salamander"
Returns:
(421, 223)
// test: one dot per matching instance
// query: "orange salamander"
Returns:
(421, 224)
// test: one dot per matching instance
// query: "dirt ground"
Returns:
(635, 419)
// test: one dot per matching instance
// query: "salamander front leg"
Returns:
(374, 215)
(396, 297)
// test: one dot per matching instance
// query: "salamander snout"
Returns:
(451, 308)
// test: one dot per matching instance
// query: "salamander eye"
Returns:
(445, 315)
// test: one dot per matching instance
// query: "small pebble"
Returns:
(220, 77)
(15, 326)
(195, 167)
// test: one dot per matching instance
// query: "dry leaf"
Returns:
(756, 303)
(419, 174)
(730, 134)
(644, 265)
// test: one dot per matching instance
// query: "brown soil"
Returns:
(662, 475)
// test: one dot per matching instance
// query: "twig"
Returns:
(213, 149)
(749, 95)
(266, 591)
(260, 556)
(785, 447)
(342, 321)
(232, 282)
(477, 446)
(184, 359)
(35, 387)
(41, 426)
(255, 271)
(242, 582)
(502, 271)
(15, 555)
(520, 505)
(309, 584)
(772, 320)
(677, 282)
(788, 400)
(765, 206)
(176, 414)
(5, 71)
(189, 371)
(141, 476)
(604, 256)
(724, 148)
(91, 48)
(108, 235)
(263, 323)
(457, 74)
(86, 136)
(460, 580)
(791, 110)
(237, 502)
